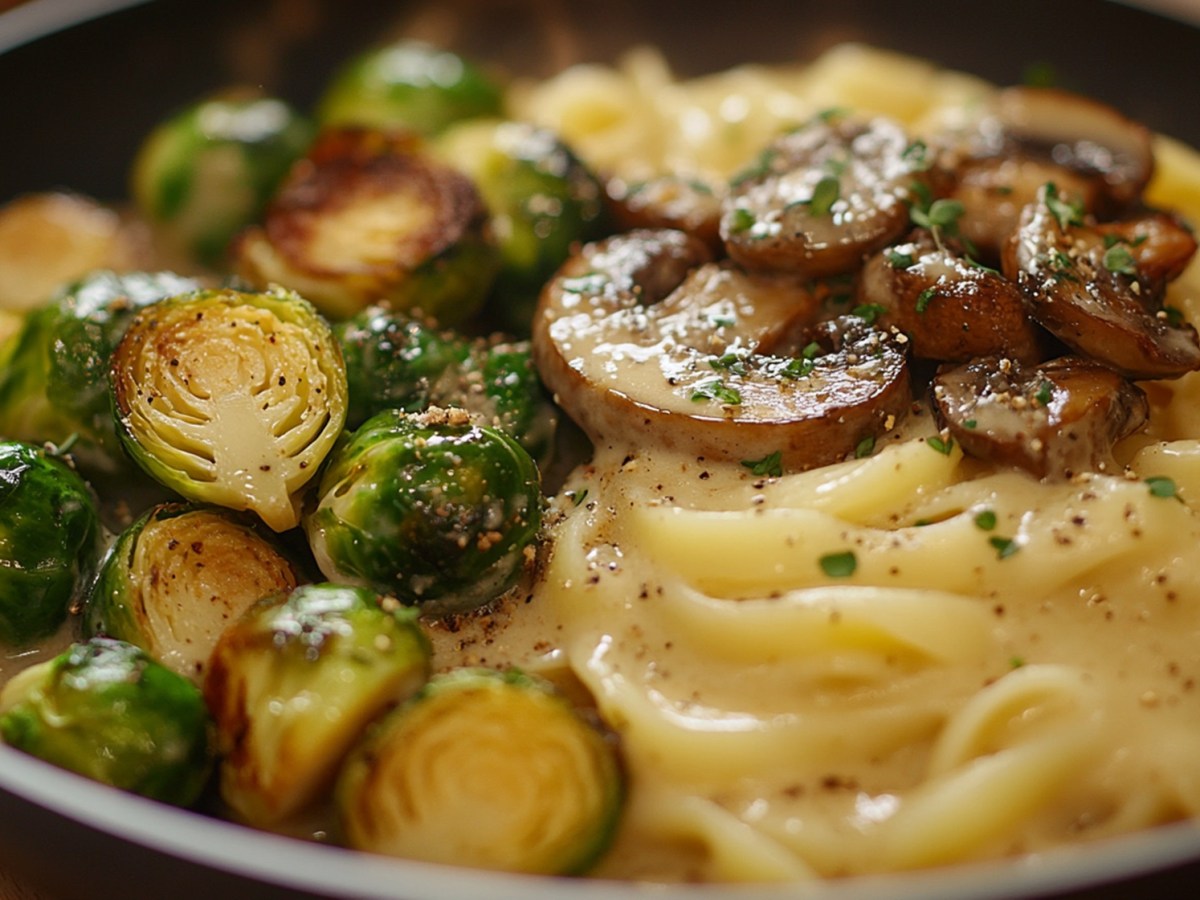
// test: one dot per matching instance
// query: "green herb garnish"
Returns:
(770, 465)
(839, 565)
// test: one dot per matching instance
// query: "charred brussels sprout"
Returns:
(394, 361)
(429, 508)
(174, 580)
(207, 172)
(409, 84)
(55, 384)
(106, 710)
(543, 201)
(369, 217)
(231, 398)
(49, 540)
(484, 769)
(293, 683)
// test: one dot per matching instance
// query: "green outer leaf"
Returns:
(294, 683)
(208, 171)
(104, 709)
(410, 84)
(432, 513)
(49, 542)
(56, 383)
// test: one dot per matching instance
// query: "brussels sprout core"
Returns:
(294, 682)
(487, 770)
(231, 398)
(177, 577)
(429, 508)
(104, 709)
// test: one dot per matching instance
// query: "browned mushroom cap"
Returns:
(1055, 420)
(1083, 135)
(1034, 135)
(668, 201)
(1103, 297)
(823, 197)
(635, 359)
(951, 309)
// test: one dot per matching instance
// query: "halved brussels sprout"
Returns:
(174, 580)
(543, 200)
(293, 683)
(206, 172)
(106, 710)
(485, 769)
(409, 84)
(367, 217)
(394, 361)
(49, 541)
(231, 398)
(55, 384)
(429, 508)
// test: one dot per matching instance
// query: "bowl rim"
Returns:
(335, 871)
(339, 872)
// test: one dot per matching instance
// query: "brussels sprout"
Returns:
(409, 84)
(55, 384)
(231, 398)
(207, 171)
(294, 682)
(174, 579)
(428, 508)
(49, 540)
(485, 769)
(369, 218)
(394, 361)
(543, 200)
(106, 710)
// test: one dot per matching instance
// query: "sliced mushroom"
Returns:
(821, 198)
(951, 309)
(1099, 289)
(1033, 135)
(668, 201)
(1055, 420)
(645, 341)
(1083, 135)
(994, 191)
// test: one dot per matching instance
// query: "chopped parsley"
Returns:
(1066, 212)
(898, 260)
(917, 156)
(591, 283)
(729, 362)
(741, 219)
(770, 465)
(839, 565)
(865, 447)
(1162, 486)
(1045, 393)
(971, 424)
(924, 298)
(1119, 261)
(1005, 547)
(869, 312)
(802, 365)
(825, 193)
(716, 390)
(941, 446)
(985, 520)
